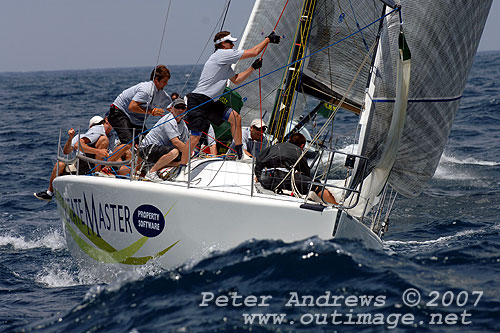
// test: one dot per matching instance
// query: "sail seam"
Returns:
(421, 100)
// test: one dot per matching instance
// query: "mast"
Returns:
(285, 95)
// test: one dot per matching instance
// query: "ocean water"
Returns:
(439, 270)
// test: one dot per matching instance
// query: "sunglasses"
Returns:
(180, 107)
(264, 128)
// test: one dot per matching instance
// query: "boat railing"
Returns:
(92, 160)
(78, 155)
(351, 160)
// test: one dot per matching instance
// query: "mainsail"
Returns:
(261, 22)
(336, 66)
(443, 37)
(326, 74)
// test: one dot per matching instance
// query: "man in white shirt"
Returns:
(216, 71)
(252, 138)
(94, 144)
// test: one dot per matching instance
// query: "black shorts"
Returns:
(198, 119)
(152, 153)
(84, 168)
(270, 179)
(123, 126)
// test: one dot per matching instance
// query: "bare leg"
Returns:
(235, 121)
(185, 152)
(165, 160)
(328, 197)
(54, 174)
(121, 150)
(102, 143)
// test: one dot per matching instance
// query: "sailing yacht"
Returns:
(400, 67)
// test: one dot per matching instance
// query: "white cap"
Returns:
(223, 39)
(258, 123)
(95, 120)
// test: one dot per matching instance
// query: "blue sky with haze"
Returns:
(65, 34)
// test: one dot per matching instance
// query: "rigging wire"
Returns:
(332, 115)
(204, 48)
(157, 62)
(288, 65)
(260, 84)
(301, 72)
(224, 20)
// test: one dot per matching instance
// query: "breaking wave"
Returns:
(54, 240)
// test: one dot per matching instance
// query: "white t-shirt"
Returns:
(217, 71)
(92, 134)
(164, 131)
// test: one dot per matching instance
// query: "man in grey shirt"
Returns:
(252, 138)
(130, 108)
(217, 70)
(166, 139)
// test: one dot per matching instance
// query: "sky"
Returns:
(66, 34)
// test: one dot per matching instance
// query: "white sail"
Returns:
(264, 16)
(443, 37)
(335, 67)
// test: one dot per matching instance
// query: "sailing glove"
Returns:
(257, 64)
(273, 38)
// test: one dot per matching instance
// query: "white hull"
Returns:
(117, 221)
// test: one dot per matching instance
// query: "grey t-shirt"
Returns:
(164, 131)
(92, 134)
(142, 93)
(248, 144)
(217, 71)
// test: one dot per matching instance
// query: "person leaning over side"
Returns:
(275, 162)
(216, 71)
(130, 108)
(94, 143)
(163, 143)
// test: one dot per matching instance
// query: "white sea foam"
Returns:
(53, 240)
(57, 277)
(449, 172)
(469, 160)
(444, 240)
(115, 278)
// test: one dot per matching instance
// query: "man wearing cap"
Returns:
(251, 138)
(165, 140)
(216, 71)
(94, 143)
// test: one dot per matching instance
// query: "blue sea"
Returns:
(439, 269)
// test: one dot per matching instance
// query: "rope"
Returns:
(201, 54)
(300, 73)
(285, 66)
(260, 85)
(357, 25)
(332, 115)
